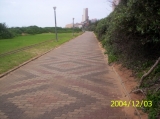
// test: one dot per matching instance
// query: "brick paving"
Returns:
(70, 82)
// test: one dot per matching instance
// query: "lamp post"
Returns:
(55, 22)
(73, 26)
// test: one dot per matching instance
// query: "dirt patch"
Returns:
(24, 34)
(129, 82)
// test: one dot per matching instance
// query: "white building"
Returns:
(85, 15)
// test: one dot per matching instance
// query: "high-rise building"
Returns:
(85, 15)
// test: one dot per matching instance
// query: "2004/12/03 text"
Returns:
(119, 103)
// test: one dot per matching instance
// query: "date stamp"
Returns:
(120, 103)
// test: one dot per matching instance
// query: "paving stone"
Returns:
(70, 82)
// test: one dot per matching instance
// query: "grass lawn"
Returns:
(23, 41)
(10, 61)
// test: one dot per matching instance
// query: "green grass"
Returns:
(13, 60)
(23, 41)
(111, 58)
(10, 61)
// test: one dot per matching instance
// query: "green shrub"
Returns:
(132, 31)
(154, 110)
(4, 32)
(131, 35)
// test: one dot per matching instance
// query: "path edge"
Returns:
(34, 58)
(119, 78)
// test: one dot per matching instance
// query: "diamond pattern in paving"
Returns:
(70, 82)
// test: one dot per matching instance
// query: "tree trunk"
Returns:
(151, 69)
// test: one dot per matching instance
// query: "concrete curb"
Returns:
(32, 59)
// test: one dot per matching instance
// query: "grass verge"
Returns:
(13, 60)
(7, 45)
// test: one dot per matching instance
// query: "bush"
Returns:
(4, 32)
(131, 35)
(132, 31)
(155, 108)
(37, 30)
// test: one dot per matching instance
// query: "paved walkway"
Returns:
(71, 82)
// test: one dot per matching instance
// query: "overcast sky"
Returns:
(40, 12)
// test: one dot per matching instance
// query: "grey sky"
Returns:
(41, 13)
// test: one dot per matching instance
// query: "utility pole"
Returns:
(73, 26)
(55, 22)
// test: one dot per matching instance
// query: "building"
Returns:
(85, 20)
(69, 26)
(77, 25)
(93, 20)
(115, 3)
(85, 16)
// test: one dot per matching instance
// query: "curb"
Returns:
(32, 59)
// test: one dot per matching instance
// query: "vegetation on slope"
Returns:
(131, 35)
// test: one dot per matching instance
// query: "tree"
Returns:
(4, 32)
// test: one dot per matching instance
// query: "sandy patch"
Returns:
(129, 82)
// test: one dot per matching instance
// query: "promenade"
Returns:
(72, 81)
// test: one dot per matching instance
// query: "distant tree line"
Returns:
(6, 33)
